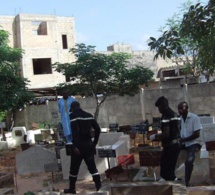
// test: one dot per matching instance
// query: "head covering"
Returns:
(161, 101)
(75, 105)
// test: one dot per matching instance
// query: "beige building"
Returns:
(45, 39)
(166, 72)
(143, 58)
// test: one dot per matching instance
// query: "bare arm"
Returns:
(195, 135)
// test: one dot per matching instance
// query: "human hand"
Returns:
(152, 137)
(76, 151)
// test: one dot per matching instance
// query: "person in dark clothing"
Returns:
(83, 146)
(170, 139)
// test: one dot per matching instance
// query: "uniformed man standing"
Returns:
(83, 145)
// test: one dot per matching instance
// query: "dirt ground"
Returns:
(45, 182)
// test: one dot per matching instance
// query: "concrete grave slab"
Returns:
(6, 180)
(200, 172)
(109, 138)
(201, 190)
(147, 189)
(206, 119)
(51, 167)
(101, 164)
(33, 160)
(117, 141)
(6, 191)
(208, 132)
(3, 145)
(18, 134)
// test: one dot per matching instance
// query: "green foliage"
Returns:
(2, 116)
(96, 73)
(190, 40)
(198, 25)
(29, 193)
(13, 89)
(166, 45)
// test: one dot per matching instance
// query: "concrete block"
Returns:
(11, 143)
(113, 140)
(208, 132)
(148, 189)
(6, 191)
(206, 119)
(201, 190)
(109, 138)
(200, 172)
(3, 145)
(6, 180)
(101, 164)
(18, 135)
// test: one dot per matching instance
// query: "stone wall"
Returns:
(128, 110)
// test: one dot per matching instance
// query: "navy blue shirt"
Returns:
(82, 124)
(172, 120)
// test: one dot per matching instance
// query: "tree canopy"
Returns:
(13, 87)
(192, 40)
(94, 74)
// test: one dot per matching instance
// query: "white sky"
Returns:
(104, 22)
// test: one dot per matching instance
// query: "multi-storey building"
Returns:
(45, 39)
(143, 58)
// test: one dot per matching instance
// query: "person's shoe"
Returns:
(178, 179)
(97, 180)
(69, 191)
(189, 185)
(98, 186)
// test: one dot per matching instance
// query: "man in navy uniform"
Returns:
(83, 146)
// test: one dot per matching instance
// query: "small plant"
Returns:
(29, 193)
(46, 184)
(2, 116)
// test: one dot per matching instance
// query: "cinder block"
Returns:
(147, 189)
(6, 191)
(201, 190)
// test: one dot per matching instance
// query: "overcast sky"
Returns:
(104, 22)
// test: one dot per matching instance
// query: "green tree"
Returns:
(96, 73)
(189, 40)
(198, 24)
(13, 87)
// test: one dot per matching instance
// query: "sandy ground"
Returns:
(46, 181)
(43, 183)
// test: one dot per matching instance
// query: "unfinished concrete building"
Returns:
(143, 58)
(45, 39)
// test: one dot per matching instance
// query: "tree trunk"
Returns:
(96, 114)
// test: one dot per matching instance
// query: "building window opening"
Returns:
(169, 73)
(39, 28)
(42, 66)
(64, 42)
(67, 78)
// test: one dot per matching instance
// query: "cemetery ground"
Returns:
(53, 183)
(35, 183)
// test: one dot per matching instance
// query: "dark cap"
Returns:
(75, 105)
(161, 101)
